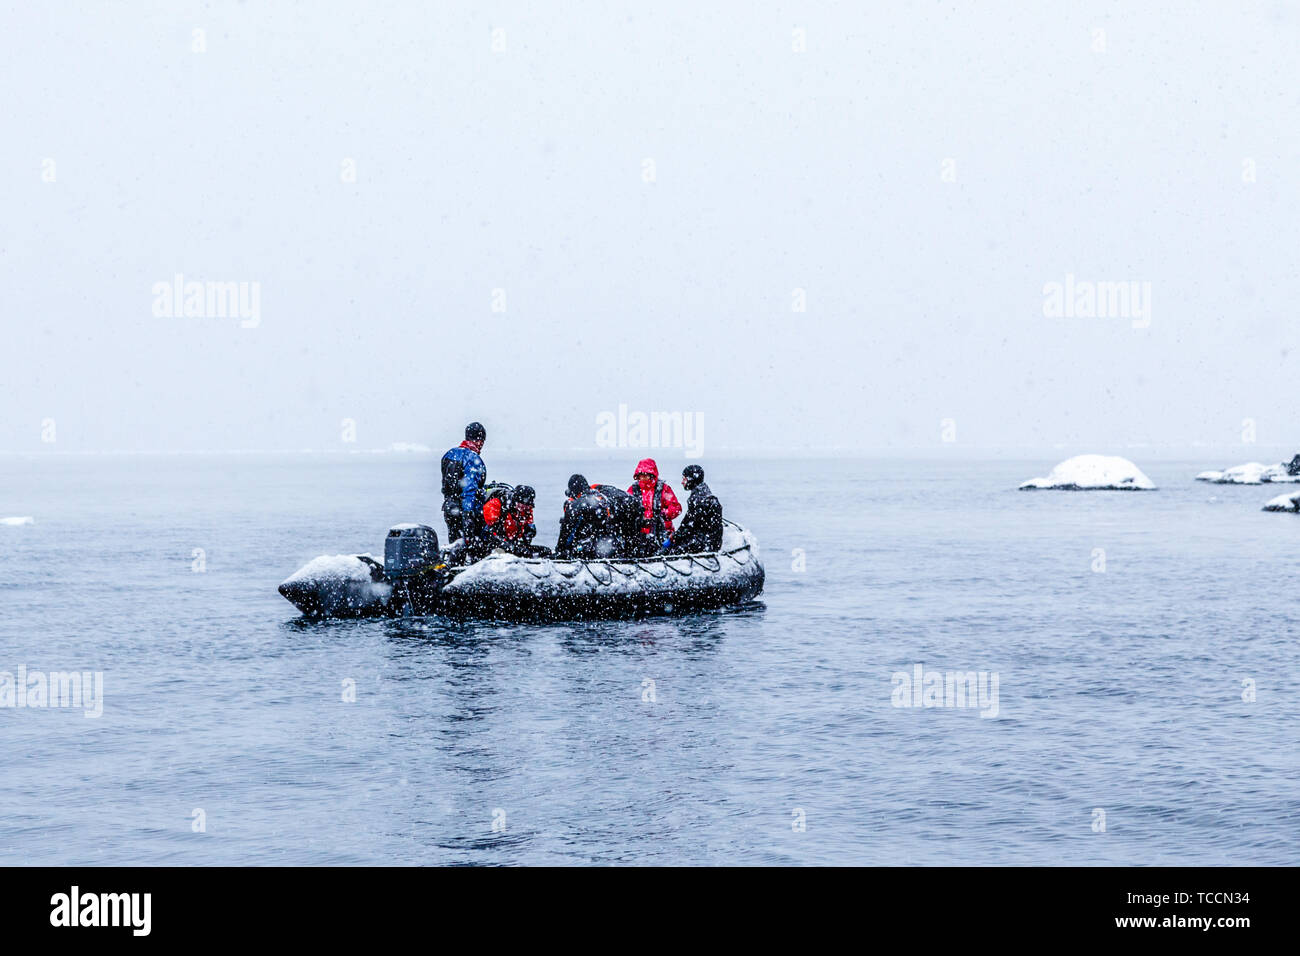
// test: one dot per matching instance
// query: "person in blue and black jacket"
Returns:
(463, 477)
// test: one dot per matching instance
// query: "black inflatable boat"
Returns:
(415, 580)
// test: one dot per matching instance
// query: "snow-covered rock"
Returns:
(17, 521)
(1251, 473)
(1093, 473)
(1287, 502)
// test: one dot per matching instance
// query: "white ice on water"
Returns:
(1287, 502)
(17, 521)
(1093, 473)
(409, 448)
(1251, 473)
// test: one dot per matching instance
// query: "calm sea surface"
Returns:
(764, 736)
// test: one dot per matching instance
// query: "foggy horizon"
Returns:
(835, 230)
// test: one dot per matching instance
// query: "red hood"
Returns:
(646, 465)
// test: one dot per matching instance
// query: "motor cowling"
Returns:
(410, 550)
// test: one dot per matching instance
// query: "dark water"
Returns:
(1119, 690)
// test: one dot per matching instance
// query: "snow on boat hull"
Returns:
(496, 588)
(345, 585)
(522, 607)
(504, 587)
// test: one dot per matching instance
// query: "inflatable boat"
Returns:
(415, 579)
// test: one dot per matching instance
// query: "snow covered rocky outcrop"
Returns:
(1287, 502)
(1093, 473)
(1251, 473)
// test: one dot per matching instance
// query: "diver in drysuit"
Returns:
(701, 528)
(463, 477)
(508, 519)
(600, 521)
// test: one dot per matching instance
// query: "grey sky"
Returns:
(774, 170)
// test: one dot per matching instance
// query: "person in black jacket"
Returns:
(701, 528)
(600, 521)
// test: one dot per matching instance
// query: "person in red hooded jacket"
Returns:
(658, 503)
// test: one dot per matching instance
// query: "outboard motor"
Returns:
(414, 566)
(409, 549)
